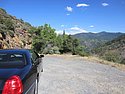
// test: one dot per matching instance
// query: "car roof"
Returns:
(14, 50)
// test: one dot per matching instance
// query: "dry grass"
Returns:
(98, 60)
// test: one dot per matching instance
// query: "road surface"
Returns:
(74, 75)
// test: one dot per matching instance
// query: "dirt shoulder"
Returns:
(92, 59)
(98, 60)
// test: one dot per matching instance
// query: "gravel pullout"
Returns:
(74, 75)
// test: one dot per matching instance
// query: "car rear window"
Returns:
(12, 60)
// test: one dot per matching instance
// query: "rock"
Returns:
(17, 37)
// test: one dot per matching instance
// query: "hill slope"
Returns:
(13, 32)
(92, 40)
(113, 50)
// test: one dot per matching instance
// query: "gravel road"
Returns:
(74, 75)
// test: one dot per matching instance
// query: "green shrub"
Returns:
(38, 45)
(84, 54)
(80, 50)
(51, 50)
(11, 33)
(123, 61)
(9, 24)
(112, 56)
(55, 50)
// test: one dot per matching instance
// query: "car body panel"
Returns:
(28, 73)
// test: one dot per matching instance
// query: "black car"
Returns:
(20, 71)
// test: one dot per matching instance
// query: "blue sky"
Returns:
(74, 16)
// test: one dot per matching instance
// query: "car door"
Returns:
(30, 79)
(37, 61)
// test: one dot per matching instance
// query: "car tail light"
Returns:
(13, 86)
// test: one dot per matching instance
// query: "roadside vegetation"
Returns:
(47, 41)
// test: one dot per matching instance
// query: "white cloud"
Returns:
(67, 14)
(95, 32)
(72, 30)
(91, 26)
(76, 29)
(59, 31)
(62, 25)
(69, 9)
(105, 4)
(82, 5)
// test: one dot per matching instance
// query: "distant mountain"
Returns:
(13, 32)
(113, 50)
(92, 40)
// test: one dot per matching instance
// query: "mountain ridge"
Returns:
(91, 40)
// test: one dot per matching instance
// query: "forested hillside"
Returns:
(13, 32)
(113, 50)
(92, 40)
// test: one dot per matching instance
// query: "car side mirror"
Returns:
(41, 56)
